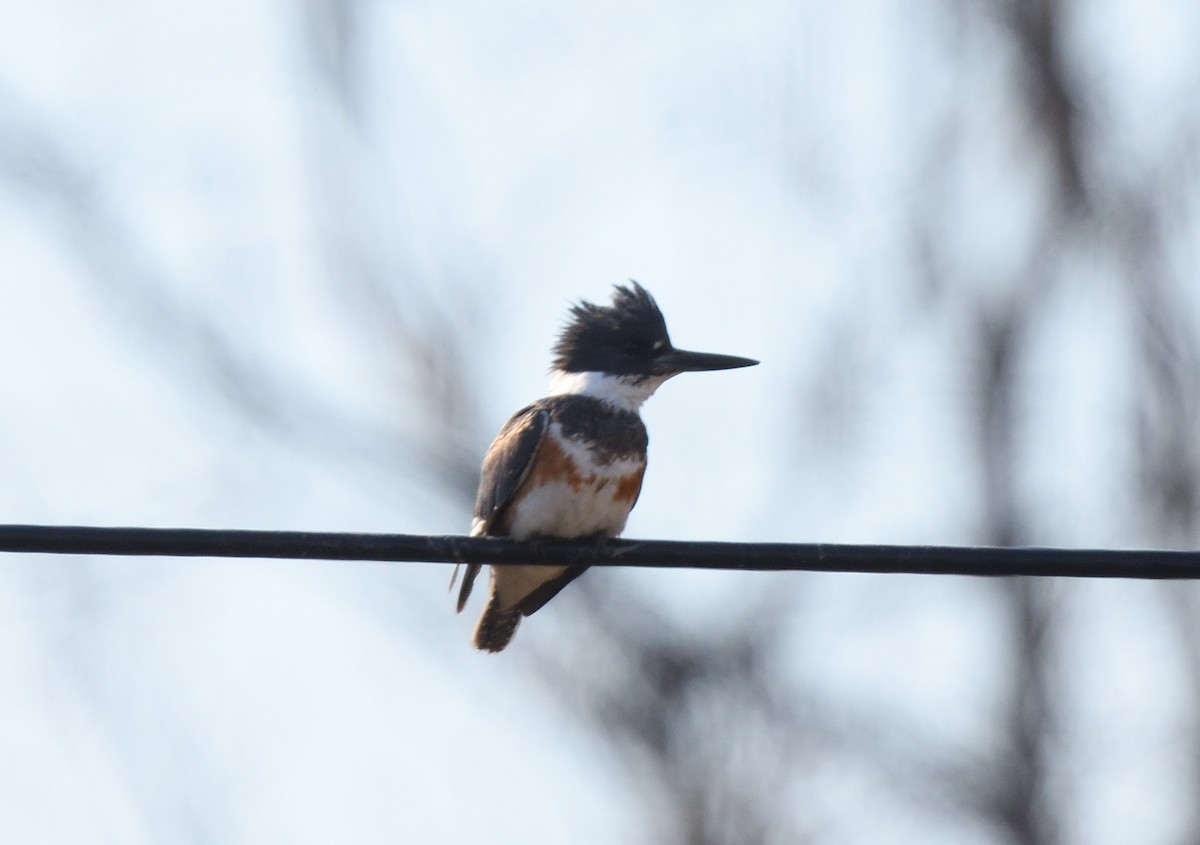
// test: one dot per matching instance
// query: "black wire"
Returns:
(816, 557)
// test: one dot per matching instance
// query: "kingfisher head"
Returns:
(621, 353)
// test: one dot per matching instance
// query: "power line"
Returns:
(813, 557)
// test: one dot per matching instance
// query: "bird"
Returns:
(571, 465)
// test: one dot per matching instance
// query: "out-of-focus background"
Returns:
(291, 265)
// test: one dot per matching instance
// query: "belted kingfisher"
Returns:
(571, 465)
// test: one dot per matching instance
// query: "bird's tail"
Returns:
(468, 581)
(496, 625)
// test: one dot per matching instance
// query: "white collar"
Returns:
(625, 392)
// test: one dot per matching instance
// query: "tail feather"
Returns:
(496, 625)
(468, 581)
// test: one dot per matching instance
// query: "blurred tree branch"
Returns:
(709, 715)
(429, 345)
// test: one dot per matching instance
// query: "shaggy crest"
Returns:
(617, 338)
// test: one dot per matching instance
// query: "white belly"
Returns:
(558, 510)
(588, 506)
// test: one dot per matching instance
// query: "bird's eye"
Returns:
(634, 347)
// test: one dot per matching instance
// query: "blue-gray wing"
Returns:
(505, 467)
(507, 464)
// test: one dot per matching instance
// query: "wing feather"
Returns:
(537, 599)
(507, 464)
(505, 468)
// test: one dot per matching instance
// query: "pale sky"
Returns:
(747, 164)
